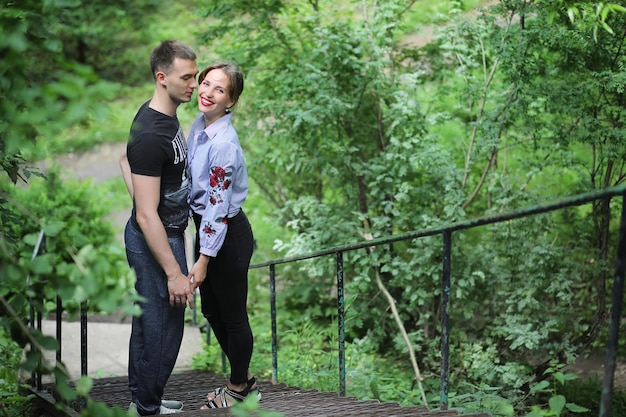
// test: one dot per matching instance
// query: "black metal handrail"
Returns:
(446, 232)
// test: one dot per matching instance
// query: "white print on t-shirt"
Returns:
(180, 147)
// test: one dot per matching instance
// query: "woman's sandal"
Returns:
(256, 389)
(250, 383)
(239, 396)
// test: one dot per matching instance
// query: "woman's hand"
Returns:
(197, 274)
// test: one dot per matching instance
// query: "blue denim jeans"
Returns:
(157, 334)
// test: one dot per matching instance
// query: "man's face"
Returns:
(181, 80)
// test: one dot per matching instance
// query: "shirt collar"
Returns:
(212, 129)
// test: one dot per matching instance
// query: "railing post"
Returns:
(35, 317)
(33, 375)
(83, 338)
(273, 319)
(445, 320)
(39, 375)
(59, 316)
(83, 346)
(616, 314)
(340, 324)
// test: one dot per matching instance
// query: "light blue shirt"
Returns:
(219, 179)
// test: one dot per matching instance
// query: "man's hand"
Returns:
(181, 291)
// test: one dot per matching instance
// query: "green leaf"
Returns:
(48, 342)
(575, 408)
(53, 228)
(32, 361)
(63, 388)
(607, 27)
(540, 386)
(559, 377)
(535, 413)
(84, 385)
(557, 403)
(42, 264)
(502, 408)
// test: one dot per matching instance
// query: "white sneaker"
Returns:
(172, 404)
(167, 407)
(165, 410)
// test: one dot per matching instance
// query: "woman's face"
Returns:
(213, 96)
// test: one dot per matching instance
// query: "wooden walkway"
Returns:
(191, 387)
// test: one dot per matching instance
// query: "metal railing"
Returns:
(446, 232)
(35, 321)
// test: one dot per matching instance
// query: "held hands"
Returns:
(181, 291)
(198, 271)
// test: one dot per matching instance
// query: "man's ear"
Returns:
(160, 77)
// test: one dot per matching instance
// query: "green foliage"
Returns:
(307, 358)
(85, 32)
(10, 397)
(78, 261)
(370, 136)
(51, 92)
(350, 132)
(250, 407)
(42, 93)
(577, 10)
(588, 392)
(557, 404)
(56, 55)
(482, 398)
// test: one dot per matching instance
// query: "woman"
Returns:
(224, 241)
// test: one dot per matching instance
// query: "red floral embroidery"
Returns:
(219, 172)
(219, 182)
(208, 229)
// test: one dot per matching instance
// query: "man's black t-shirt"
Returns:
(157, 148)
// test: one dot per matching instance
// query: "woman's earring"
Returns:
(227, 110)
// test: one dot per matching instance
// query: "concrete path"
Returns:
(107, 347)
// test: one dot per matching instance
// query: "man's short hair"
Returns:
(162, 56)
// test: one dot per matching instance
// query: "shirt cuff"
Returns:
(208, 252)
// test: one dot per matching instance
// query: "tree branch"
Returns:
(396, 316)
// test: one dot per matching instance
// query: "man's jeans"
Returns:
(157, 334)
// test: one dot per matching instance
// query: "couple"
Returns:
(169, 179)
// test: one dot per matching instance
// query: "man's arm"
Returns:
(147, 195)
(125, 167)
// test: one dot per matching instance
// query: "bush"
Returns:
(80, 261)
(588, 392)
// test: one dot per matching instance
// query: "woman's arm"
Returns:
(126, 174)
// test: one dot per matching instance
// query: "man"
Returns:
(154, 170)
